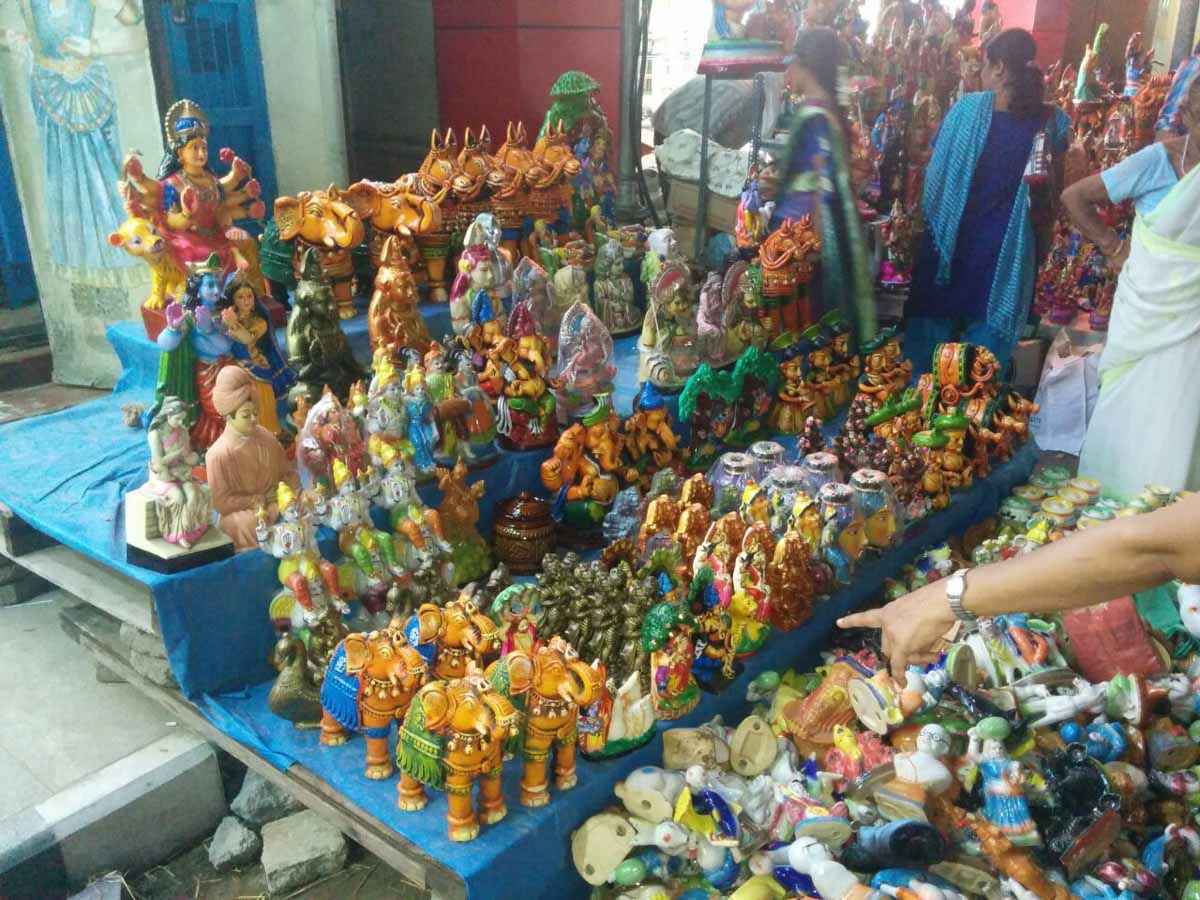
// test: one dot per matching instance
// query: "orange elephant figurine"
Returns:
(454, 733)
(461, 633)
(549, 685)
(370, 681)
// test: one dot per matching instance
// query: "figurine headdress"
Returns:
(934, 440)
(184, 122)
(892, 408)
(600, 411)
(670, 273)
(876, 343)
(387, 453)
(413, 377)
(284, 496)
(953, 421)
(210, 266)
(358, 394)
(340, 473)
(751, 492)
(385, 372)
(835, 322)
(650, 398)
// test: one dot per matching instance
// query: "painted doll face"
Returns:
(853, 539)
(194, 155)
(209, 290)
(176, 419)
(245, 417)
(243, 299)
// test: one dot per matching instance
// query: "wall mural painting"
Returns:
(75, 107)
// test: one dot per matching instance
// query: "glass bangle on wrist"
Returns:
(956, 587)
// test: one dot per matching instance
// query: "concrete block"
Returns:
(142, 642)
(233, 845)
(131, 815)
(23, 586)
(156, 668)
(261, 801)
(300, 849)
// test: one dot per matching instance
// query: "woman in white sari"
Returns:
(1146, 425)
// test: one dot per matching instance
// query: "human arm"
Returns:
(1121, 557)
(1081, 201)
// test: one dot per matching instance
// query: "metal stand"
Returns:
(760, 105)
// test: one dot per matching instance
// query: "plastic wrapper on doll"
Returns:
(585, 360)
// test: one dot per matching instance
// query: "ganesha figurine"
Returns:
(667, 350)
(322, 225)
(583, 492)
(517, 375)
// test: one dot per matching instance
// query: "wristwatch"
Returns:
(956, 586)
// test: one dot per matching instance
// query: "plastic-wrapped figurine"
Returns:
(533, 289)
(393, 320)
(475, 294)
(1004, 802)
(711, 319)
(570, 287)
(667, 351)
(706, 405)
(459, 512)
(453, 734)
(316, 345)
(329, 433)
(613, 289)
(843, 533)
(585, 360)
(516, 374)
(549, 685)
(667, 636)
(171, 507)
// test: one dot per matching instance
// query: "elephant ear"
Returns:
(430, 622)
(357, 653)
(435, 140)
(513, 674)
(289, 213)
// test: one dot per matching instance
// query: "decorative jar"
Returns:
(821, 468)
(783, 485)
(523, 533)
(729, 476)
(876, 503)
(767, 455)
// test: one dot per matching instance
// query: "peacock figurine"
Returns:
(294, 696)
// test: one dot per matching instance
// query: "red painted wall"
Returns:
(497, 59)
(1067, 26)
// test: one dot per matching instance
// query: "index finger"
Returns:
(871, 618)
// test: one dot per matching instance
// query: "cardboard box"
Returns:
(683, 203)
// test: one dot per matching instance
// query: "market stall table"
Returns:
(65, 475)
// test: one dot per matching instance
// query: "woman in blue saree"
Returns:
(974, 275)
(816, 180)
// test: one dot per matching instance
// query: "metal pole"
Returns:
(628, 204)
(702, 203)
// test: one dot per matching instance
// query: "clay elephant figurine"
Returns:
(395, 212)
(369, 684)
(457, 633)
(318, 219)
(454, 732)
(549, 685)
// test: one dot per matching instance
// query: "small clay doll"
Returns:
(172, 506)
(667, 636)
(667, 351)
(1004, 802)
(246, 321)
(585, 360)
(246, 464)
(614, 292)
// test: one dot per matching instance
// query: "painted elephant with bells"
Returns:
(394, 212)
(370, 681)
(453, 636)
(549, 686)
(318, 219)
(454, 732)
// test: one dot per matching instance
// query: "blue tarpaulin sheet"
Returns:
(66, 473)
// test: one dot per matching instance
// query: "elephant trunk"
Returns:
(581, 685)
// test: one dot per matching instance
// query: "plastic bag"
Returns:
(1066, 396)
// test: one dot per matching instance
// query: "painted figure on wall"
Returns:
(75, 107)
